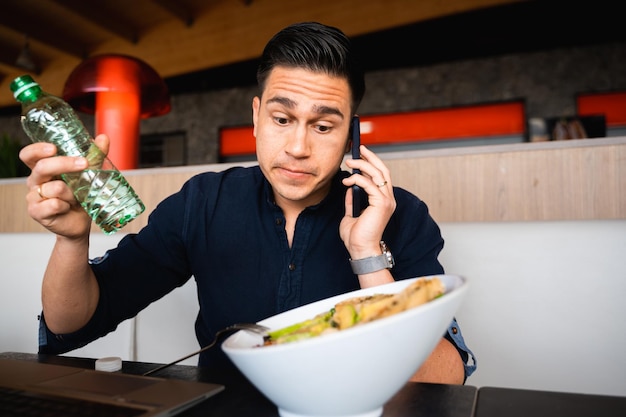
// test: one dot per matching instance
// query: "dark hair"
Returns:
(316, 47)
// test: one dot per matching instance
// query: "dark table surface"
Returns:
(499, 402)
(242, 399)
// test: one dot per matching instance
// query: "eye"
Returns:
(281, 120)
(323, 128)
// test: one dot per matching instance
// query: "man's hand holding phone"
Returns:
(371, 203)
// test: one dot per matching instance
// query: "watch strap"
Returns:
(368, 265)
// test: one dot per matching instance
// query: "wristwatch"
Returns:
(373, 263)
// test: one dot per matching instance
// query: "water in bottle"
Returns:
(101, 189)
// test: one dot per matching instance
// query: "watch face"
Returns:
(388, 256)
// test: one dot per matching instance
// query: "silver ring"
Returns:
(381, 185)
(43, 197)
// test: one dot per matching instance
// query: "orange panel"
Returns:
(612, 105)
(418, 126)
(453, 123)
(237, 141)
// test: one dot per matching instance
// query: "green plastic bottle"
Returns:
(101, 189)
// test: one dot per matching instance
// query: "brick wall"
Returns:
(548, 81)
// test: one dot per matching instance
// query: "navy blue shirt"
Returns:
(225, 230)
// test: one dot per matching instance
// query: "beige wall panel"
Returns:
(568, 180)
(527, 182)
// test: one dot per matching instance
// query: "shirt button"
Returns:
(292, 267)
(279, 222)
(455, 330)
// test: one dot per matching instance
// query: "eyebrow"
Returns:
(289, 103)
(327, 110)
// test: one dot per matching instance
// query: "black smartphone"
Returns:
(359, 196)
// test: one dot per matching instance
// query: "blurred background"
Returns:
(423, 58)
(539, 229)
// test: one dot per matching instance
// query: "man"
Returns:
(257, 240)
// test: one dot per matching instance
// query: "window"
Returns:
(163, 150)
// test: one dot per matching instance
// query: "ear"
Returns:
(256, 105)
(348, 146)
(349, 141)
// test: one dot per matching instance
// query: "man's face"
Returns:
(301, 125)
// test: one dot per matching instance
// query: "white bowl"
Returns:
(352, 372)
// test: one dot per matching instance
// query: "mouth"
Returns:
(294, 173)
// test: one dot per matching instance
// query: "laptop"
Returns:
(110, 393)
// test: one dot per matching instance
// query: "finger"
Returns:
(33, 152)
(349, 202)
(51, 168)
(377, 163)
(45, 208)
(370, 176)
(103, 142)
(40, 192)
(51, 190)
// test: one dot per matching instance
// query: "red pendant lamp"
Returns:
(119, 90)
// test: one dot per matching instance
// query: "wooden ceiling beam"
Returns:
(11, 65)
(177, 10)
(99, 17)
(40, 31)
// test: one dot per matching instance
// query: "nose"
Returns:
(298, 144)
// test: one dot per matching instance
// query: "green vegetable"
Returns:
(302, 330)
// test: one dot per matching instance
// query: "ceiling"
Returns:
(214, 43)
